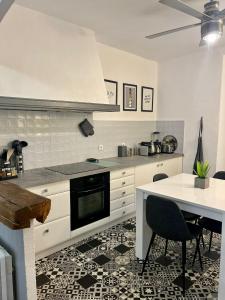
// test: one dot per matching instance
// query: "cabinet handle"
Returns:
(44, 191)
(123, 193)
(124, 202)
(124, 173)
(46, 231)
(124, 212)
(161, 164)
(158, 165)
(124, 182)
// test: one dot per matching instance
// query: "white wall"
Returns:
(125, 67)
(189, 87)
(221, 135)
(44, 57)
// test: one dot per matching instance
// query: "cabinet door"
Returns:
(51, 234)
(144, 174)
(172, 166)
(60, 207)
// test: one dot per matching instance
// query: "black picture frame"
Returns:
(125, 106)
(143, 103)
(115, 85)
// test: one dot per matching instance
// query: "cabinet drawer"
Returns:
(121, 173)
(121, 212)
(51, 189)
(60, 207)
(121, 182)
(116, 204)
(123, 192)
(51, 234)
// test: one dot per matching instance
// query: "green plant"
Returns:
(202, 169)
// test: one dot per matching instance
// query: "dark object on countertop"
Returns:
(92, 160)
(122, 151)
(86, 128)
(8, 165)
(18, 147)
(19, 206)
(199, 153)
(169, 144)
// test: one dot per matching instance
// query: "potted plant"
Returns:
(202, 181)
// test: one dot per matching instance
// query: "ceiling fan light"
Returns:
(212, 37)
(211, 31)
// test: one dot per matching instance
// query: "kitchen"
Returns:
(43, 68)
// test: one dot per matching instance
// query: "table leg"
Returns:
(143, 231)
(221, 295)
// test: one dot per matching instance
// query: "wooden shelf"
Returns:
(19, 206)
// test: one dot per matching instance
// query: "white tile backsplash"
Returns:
(54, 137)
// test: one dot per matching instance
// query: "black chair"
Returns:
(187, 215)
(209, 224)
(166, 220)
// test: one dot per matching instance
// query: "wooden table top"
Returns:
(18, 206)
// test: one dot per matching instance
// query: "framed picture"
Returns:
(147, 97)
(129, 97)
(112, 91)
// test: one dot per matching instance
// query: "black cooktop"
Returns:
(71, 169)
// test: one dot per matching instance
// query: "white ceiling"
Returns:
(124, 23)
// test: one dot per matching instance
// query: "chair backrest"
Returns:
(219, 175)
(159, 176)
(165, 219)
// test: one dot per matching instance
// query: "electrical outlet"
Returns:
(100, 148)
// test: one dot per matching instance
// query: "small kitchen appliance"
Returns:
(122, 151)
(169, 144)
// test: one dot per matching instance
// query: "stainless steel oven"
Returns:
(89, 199)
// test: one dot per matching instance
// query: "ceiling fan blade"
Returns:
(183, 7)
(153, 36)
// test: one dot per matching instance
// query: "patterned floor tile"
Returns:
(104, 267)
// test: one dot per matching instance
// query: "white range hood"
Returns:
(4, 7)
(43, 57)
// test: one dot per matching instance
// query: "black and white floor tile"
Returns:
(105, 267)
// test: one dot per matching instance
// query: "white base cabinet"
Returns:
(56, 229)
(51, 234)
(122, 193)
(144, 173)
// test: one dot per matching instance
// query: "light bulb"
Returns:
(212, 37)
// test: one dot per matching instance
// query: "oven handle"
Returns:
(101, 188)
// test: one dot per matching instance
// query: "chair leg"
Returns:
(196, 250)
(203, 242)
(199, 252)
(210, 240)
(149, 247)
(183, 264)
(166, 247)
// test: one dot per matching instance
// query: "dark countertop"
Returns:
(42, 176)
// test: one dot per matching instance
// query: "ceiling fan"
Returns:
(212, 20)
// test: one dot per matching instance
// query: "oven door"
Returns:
(88, 206)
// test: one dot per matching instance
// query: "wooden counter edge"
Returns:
(25, 206)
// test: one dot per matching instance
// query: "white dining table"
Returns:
(180, 188)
